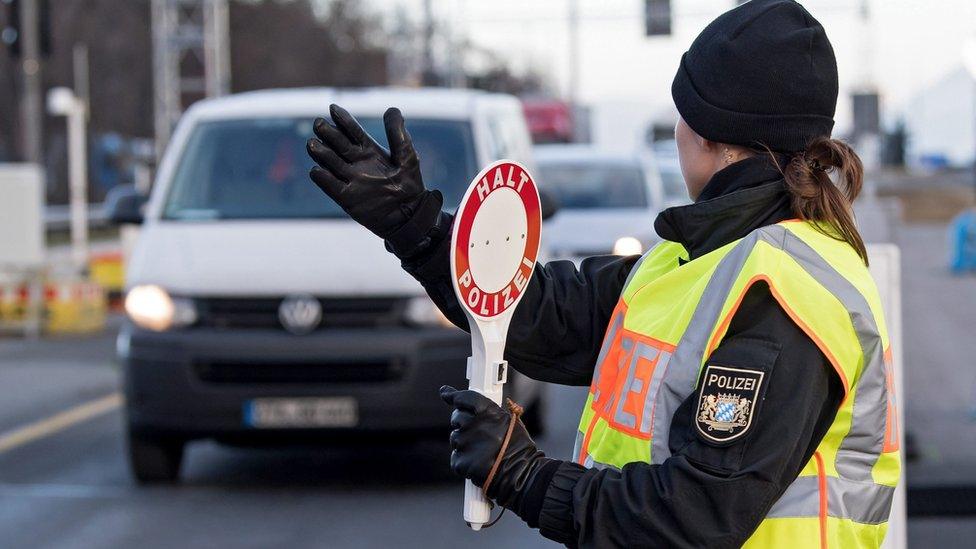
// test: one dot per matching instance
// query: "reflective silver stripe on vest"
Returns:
(862, 446)
(867, 503)
(681, 375)
(578, 447)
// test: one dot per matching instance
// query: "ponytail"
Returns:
(815, 196)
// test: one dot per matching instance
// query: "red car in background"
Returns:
(550, 120)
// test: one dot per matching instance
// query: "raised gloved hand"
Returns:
(381, 190)
(479, 427)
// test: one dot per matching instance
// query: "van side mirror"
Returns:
(124, 205)
(549, 204)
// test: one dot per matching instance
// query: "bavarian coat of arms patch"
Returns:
(726, 402)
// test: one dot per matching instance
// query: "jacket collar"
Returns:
(737, 200)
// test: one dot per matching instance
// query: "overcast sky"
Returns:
(911, 43)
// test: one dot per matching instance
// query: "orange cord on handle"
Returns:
(516, 412)
(516, 415)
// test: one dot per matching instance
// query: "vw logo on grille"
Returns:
(300, 314)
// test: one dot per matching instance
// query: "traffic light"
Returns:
(10, 29)
(657, 17)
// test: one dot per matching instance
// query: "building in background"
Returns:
(941, 123)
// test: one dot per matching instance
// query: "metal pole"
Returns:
(82, 80)
(31, 92)
(461, 45)
(167, 103)
(182, 29)
(573, 53)
(161, 75)
(216, 49)
(428, 77)
(78, 181)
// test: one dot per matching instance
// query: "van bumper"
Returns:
(196, 383)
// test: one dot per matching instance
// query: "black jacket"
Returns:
(704, 494)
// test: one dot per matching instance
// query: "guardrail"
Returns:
(58, 218)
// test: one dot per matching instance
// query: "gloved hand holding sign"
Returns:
(480, 427)
(380, 189)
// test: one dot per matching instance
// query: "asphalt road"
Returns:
(71, 488)
(64, 481)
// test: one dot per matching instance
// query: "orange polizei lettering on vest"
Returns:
(604, 386)
(604, 378)
(610, 387)
(620, 379)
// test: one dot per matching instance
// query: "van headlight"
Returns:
(421, 311)
(151, 307)
(628, 245)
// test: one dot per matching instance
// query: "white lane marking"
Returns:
(66, 491)
(59, 422)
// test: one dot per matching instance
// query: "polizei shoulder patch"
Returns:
(726, 402)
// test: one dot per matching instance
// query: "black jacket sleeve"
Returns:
(557, 328)
(705, 495)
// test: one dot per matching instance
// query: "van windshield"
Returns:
(258, 168)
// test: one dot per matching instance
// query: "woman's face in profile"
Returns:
(695, 155)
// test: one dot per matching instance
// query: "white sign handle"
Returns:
(487, 374)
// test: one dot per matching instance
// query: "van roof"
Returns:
(414, 102)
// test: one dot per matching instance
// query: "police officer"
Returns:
(739, 372)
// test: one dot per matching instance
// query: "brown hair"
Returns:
(816, 197)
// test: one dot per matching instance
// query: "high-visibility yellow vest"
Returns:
(669, 320)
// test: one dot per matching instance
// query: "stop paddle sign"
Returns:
(494, 247)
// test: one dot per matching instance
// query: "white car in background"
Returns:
(607, 200)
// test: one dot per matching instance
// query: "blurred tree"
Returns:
(120, 61)
(499, 78)
(277, 43)
(274, 43)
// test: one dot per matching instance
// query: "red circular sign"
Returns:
(496, 239)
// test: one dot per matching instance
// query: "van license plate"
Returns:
(301, 412)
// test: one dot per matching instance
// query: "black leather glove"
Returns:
(380, 189)
(479, 429)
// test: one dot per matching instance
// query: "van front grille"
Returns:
(337, 312)
(244, 371)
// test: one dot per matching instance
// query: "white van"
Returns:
(259, 312)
